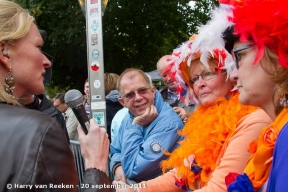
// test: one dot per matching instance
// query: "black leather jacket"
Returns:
(34, 152)
(48, 108)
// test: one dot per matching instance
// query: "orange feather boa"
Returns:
(205, 133)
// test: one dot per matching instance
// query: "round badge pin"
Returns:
(155, 147)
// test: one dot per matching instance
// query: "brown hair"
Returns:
(277, 73)
(110, 80)
(60, 96)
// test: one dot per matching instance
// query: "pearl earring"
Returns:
(4, 52)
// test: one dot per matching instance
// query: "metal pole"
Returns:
(95, 60)
(94, 10)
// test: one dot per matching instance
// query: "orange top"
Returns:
(259, 164)
(232, 158)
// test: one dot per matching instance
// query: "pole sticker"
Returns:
(97, 84)
(95, 65)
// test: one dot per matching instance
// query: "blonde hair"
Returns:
(110, 80)
(213, 65)
(277, 73)
(15, 23)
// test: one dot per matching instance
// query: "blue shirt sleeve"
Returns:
(115, 149)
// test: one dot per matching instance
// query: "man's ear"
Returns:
(121, 101)
(153, 89)
(66, 106)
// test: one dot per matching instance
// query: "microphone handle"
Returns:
(82, 117)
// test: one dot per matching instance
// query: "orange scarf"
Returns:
(259, 164)
(205, 133)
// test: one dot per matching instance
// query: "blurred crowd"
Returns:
(218, 124)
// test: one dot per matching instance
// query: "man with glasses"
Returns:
(169, 92)
(69, 117)
(146, 131)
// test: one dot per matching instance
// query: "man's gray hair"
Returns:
(143, 74)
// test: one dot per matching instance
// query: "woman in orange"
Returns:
(218, 126)
(260, 53)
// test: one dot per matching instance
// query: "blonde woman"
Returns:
(34, 151)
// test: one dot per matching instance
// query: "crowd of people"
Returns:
(219, 124)
(34, 148)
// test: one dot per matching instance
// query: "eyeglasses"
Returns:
(205, 75)
(132, 94)
(236, 55)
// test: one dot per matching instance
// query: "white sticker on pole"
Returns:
(97, 84)
(98, 105)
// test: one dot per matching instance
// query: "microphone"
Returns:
(74, 99)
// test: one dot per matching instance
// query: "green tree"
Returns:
(136, 33)
(141, 31)
(66, 42)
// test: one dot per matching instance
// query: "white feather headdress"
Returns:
(210, 38)
(208, 43)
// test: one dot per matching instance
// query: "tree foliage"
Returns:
(144, 30)
(66, 42)
(136, 33)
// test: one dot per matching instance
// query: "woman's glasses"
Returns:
(235, 53)
(205, 75)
